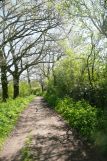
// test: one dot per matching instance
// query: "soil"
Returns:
(52, 138)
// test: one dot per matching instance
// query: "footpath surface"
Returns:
(52, 140)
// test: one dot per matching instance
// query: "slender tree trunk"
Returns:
(16, 86)
(29, 81)
(4, 83)
(54, 78)
(42, 87)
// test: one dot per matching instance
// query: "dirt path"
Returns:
(50, 140)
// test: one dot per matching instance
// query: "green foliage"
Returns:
(36, 91)
(10, 89)
(72, 77)
(26, 153)
(81, 116)
(51, 100)
(9, 113)
(100, 137)
(51, 95)
(36, 88)
(85, 112)
(24, 89)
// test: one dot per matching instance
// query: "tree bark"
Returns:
(4, 83)
(29, 81)
(42, 87)
(16, 86)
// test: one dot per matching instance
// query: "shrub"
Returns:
(36, 91)
(81, 116)
(51, 96)
(24, 89)
(51, 99)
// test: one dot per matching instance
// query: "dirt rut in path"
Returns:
(50, 140)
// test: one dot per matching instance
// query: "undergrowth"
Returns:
(90, 122)
(9, 113)
(26, 151)
(81, 116)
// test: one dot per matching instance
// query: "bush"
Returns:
(36, 91)
(81, 116)
(51, 96)
(51, 99)
(24, 89)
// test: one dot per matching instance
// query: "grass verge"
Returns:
(9, 113)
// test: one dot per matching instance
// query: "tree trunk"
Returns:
(42, 87)
(16, 86)
(4, 83)
(29, 81)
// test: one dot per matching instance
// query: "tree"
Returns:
(21, 22)
(42, 71)
(4, 80)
